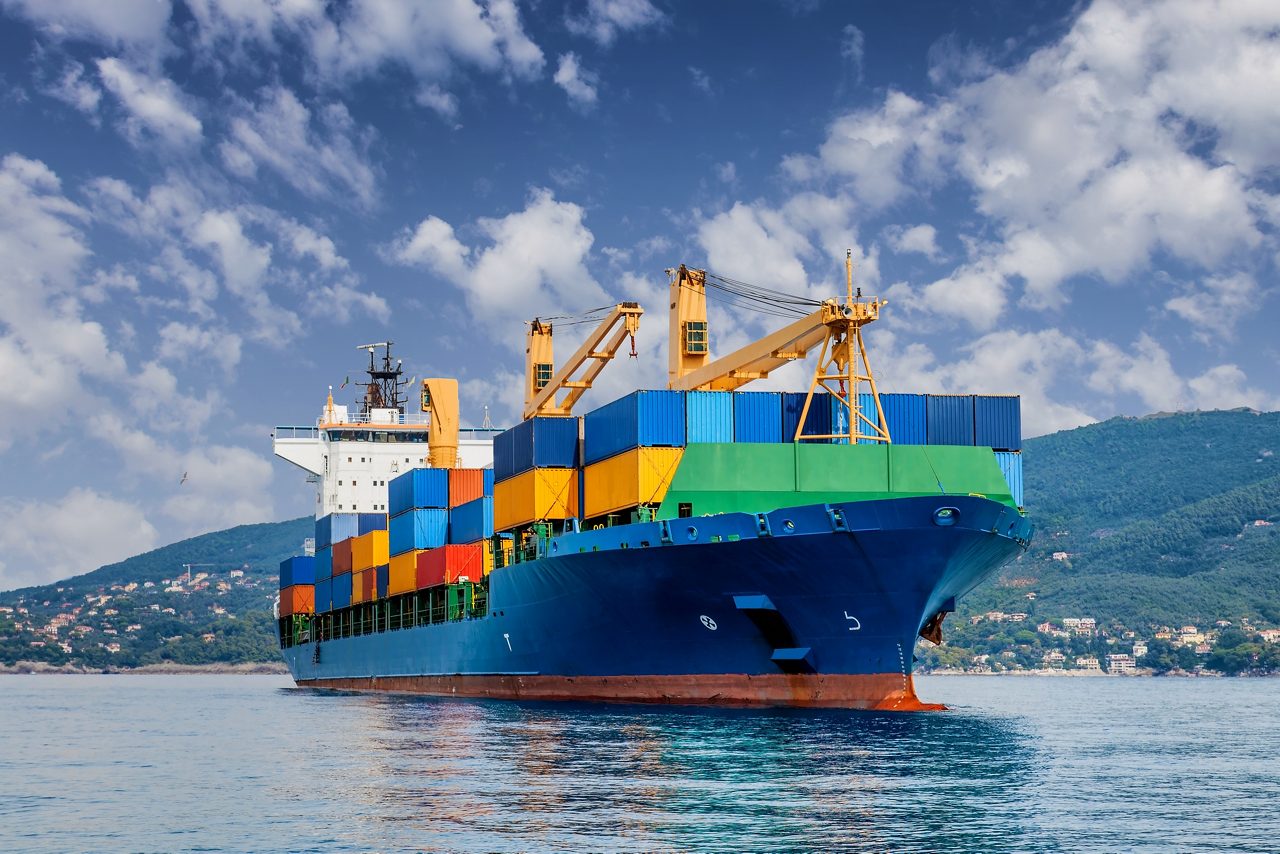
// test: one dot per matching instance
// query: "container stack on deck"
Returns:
(535, 471)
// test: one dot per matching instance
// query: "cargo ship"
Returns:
(698, 544)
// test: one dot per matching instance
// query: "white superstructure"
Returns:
(352, 456)
(351, 460)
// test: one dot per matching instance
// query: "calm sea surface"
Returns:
(250, 763)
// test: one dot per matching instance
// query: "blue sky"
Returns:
(205, 205)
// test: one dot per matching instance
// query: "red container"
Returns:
(369, 585)
(341, 557)
(298, 599)
(447, 564)
(465, 485)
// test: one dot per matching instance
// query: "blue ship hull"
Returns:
(816, 605)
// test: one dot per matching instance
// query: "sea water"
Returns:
(251, 763)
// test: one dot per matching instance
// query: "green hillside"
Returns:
(1167, 520)
(146, 610)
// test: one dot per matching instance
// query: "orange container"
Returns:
(448, 564)
(358, 587)
(342, 557)
(369, 550)
(402, 574)
(465, 485)
(298, 599)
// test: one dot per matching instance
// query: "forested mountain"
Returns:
(1165, 520)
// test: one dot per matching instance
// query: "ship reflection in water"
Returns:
(466, 775)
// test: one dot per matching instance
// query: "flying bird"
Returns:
(184, 479)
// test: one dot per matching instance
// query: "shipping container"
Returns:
(298, 599)
(372, 522)
(369, 550)
(450, 564)
(757, 416)
(382, 576)
(642, 419)
(542, 442)
(324, 595)
(1011, 467)
(905, 416)
(635, 477)
(818, 422)
(402, 573)
(335, 527)
(358, 587)
(342, 557)
(342, 591)
(465, 485)
(537, 495)
(997, 422)
(471, 522)
(708, 416)
(949, 419)
(424, 487)
(488, 482)
(418, 529)
(842, 419)
(369, 581)
(297, 570)
(324, 562)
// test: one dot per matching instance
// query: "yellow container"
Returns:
(402, 575)
(638, 476)
(369, 550)
(535, 496)
(357, 587)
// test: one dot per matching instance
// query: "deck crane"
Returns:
(835, 325)
(541, 386)
(440, 401)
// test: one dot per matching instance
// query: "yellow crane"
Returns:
(836, 326)
(542, 386)
(440, 401)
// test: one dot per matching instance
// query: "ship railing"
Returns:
(289, 432)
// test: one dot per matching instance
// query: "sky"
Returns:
(206, 205)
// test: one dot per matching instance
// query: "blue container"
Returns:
(708, 416)
(949, 419)
(372, 522)
(817, 424)
(757, 416)
(418, 529)
(324, 562)
(297, 570)
(471, 522)
(643, 419)
(542, 442)
(336, 527)
(905, 415)
(1011, 466)
(324, 595)
(418, 488)
(488, 482)
(381, 575)
(341, 591)
(997, 422)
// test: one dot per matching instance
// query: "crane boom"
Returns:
(759, 358)
(622, 321)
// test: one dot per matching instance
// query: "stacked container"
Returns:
(535, 472)
(708, 416)
(817, 422)
(757, 416)
(297, 586)
(450, 564)
(632, 447)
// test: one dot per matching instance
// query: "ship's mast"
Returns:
(383, 391)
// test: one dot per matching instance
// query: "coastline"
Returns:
(39, 668)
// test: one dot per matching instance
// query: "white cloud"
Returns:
(45, 541)
(1217, 305)
(321, 154)
(126, 23)
(852, 49)
(73, 87)
(604, 20)
(155, 106)
(184, 343)
(434, 98)
(921, 239)
(701, 80)
(535, 263)
(577, 82)
(726, 172)
(1089, 157)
